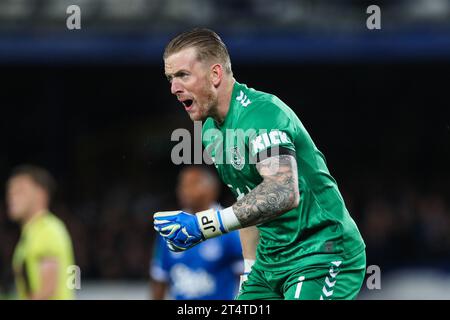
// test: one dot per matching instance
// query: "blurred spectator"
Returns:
(434, 228)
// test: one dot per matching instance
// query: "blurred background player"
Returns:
(207, 271)
(44, 251)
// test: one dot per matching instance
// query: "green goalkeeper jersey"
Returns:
(256, 124)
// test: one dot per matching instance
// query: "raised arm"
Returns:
(275, 195)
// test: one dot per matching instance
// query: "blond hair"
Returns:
(208, 44)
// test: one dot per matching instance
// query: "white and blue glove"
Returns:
(183, 230)
(180, 229)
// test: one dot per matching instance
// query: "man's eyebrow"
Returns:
(180, 72)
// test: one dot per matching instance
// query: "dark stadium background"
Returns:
(99, 115)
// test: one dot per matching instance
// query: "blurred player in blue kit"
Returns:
(208, 271)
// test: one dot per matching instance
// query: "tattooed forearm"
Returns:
(275, 195)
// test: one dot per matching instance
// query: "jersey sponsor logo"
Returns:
(237, 159)
(191, 283)
(229, 147)
(243, 99)
(266, 140)
(211, 250)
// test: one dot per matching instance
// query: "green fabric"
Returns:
(336, 279)
(321, 224)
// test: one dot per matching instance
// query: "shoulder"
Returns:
(54, 223)
(49, 237)
(264, 108)
(250, 98)
(51, 227)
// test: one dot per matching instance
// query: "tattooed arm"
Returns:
(275, 195)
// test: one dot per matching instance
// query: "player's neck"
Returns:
(223, 101)
(34, 214)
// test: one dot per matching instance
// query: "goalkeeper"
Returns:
(299, 241)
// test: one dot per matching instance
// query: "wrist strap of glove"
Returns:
(214, 223)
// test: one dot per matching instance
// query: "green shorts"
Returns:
(335, 279)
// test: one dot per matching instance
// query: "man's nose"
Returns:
(176, 87)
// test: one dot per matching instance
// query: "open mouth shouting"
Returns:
(187, 103)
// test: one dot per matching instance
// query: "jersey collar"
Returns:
(227, 123)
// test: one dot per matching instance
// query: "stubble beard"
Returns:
(208, 108)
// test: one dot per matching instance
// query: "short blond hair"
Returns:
(208, 44)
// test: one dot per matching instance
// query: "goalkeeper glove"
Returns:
(183, 230)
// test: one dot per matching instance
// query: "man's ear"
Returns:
(216, 74)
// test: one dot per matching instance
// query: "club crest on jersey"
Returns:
(237, 159)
